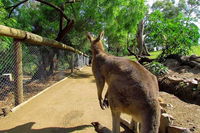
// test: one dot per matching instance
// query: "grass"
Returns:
(153, 54)
(195, 50)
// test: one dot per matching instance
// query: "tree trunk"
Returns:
(61, 34)
(140, 40)
(41, 72)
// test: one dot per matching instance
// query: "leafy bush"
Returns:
(175, 35)
(157, 68)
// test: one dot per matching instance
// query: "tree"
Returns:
(58, 23)
(118, 18)
(68, 21)
(175, 35)
(6, 63)
(140, 40)
(171, 27)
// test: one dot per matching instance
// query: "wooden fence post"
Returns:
(72, 63)
(18, 73)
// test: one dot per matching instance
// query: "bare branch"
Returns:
(61, 19)
(132, 53)
(65, 30)
(55, 7)
(15, 6)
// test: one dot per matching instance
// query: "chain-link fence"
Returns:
(42, 66)
(6, 77)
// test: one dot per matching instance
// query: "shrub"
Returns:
(157, 68)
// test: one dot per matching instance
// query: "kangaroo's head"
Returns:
(96, 44)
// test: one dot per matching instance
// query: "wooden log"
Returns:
(34, 39)
(11, 32)
(192, 61)
(176, 129)
(185, 89)
(18, 73)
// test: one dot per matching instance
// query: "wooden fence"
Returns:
(24, 36)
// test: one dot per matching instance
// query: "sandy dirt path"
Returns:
(69, 106)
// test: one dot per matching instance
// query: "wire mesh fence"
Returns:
(42, 66)
(7, 64)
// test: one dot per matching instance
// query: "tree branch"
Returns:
(55, 7)
(136, 56)
(15, 6)
(66, 29)
(61, 19)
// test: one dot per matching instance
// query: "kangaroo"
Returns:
(132, 89)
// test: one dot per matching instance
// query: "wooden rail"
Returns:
(34, 39)
(24, 36)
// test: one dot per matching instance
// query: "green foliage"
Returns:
(117, 18)
(30, 59)
(172, 26)
(4, 20)
(157, 68)
(6, 60)
(155, 54)
(176, 35)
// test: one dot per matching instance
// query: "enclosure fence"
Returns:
(32, 63)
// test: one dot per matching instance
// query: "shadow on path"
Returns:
(103, 129)
(27, 128)
(81, 75)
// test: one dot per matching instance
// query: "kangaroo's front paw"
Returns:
(105, 103)
(102, 104)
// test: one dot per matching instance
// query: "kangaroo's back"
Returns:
(132, 89)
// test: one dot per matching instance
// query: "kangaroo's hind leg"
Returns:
(135, 126)
(115, 121)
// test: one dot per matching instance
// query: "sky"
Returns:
(150, 2)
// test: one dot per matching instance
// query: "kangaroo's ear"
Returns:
(89, 36)
(101, 35)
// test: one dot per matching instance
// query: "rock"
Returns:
(192, 81)
(176, 129)
(184, 58)
(195, 58)
(198, 86)
(5, 111)
(165, 121)
(171, 63)
(194, 63)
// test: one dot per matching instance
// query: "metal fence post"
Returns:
(18, 73)
(81, 60)
(87, 61)
(78, 61)
(72, 63)
(84, 60)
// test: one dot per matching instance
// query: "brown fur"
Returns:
(131, 88)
